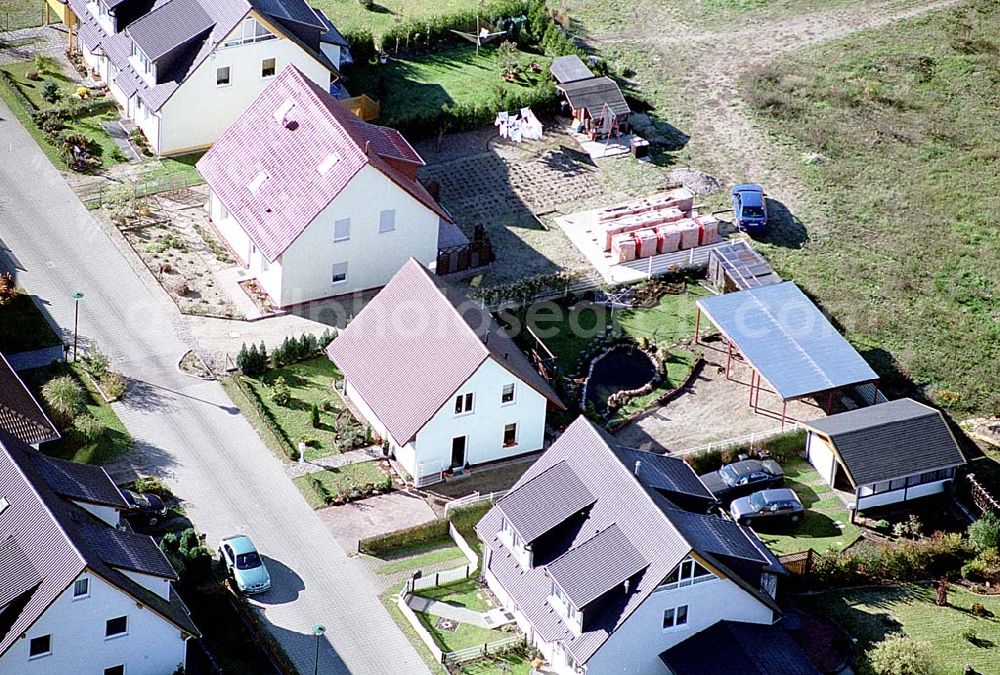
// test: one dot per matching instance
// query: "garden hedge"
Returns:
(464, 519)
(434, 31)
(781, 448)
(11, 84)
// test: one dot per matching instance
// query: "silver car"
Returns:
(770, 505)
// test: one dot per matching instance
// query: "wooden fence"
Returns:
(96, 194)
(799, 564)
(471, 653)
(980, 496)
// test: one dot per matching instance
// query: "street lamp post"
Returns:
(318, 631)
(77, 297)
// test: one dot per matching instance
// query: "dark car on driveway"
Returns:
(742, 478)
(768, 506)
(144, 509)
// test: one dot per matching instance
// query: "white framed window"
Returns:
(223, 211)
(268, 67)
(81, 588)
(509, 435)
(464, 403)
(675, 617)
(387, 221)
(40, 646)
(342, 229)
(116, 627)
(339, 275)
(251, 31)
(115, 670)
(507, 395)
(688, 572)
(222, 78)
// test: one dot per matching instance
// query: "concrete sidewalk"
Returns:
(187, 430)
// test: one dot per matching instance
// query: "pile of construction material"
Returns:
(663, 223)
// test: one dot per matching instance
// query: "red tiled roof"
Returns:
(410, 349)
(294, 192)
(20, 413)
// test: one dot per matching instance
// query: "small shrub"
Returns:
(114, 385)
(882, 525)
(899, 654)
(65, 399)
(969, 635)
(8, 289)
(50, 91)
(314, 416)
(985, 532)
(900, 530)
(985, 567)
(153, 486)
(280, 392)
(95, 363)
(89, 426)
(978, 610)
(367, 4)
(33, 75)
(45, 64)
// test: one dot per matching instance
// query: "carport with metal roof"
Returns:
(787, 341)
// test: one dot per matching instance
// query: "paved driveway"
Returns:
(376, 515)
(188, 429)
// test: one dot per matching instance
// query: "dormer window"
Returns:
(561, 601)
(258, 181)
(513, 541)
(143, 64)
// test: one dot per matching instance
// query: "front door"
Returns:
(458, 451)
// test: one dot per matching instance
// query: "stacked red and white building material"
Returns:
(663, 223)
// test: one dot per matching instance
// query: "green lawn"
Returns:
(464, 636)
(350, 15)
(465, 593)
(88, 126)
(310, 382)
(16, 14)
(389, 602)
(667, 323)
(905, 194)
(168, 166)
(112, 443)
(872, 613)
(819, 529)
(410, 89)
(23, 327)
(340, 480)
(426, 558)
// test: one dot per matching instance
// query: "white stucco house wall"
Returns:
(184, 71)
(315, 202)
(79, 591)
(885, 454)
(602, 568)
(439, 380)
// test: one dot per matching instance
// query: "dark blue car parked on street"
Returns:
(749, 208)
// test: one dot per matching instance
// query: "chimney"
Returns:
(368, 145)
(638, 463)
(486, 338)
(505, 355)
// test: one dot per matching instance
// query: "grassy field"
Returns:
(310, 382)
(466, 594)
(340, 480)
(109, 446)
(350, 15)
(871, 614)
(23, 327)
(455, 77)
(827, 522)
(900, 130)
(512, 664)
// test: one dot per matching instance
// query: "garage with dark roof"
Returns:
(885, 454)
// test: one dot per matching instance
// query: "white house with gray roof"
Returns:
(885, 454)
(79, 591)
(184, 70)
(606, 557)
(439, 379)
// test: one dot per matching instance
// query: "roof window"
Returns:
(328, 163)
(3, 504)
(255, 185)
(282, 112)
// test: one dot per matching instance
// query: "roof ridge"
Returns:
(426, 273)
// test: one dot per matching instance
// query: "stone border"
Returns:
(625, 393)
(696, 368)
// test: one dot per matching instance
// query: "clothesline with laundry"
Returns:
(523, 126)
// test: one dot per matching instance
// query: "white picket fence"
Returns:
(749, 439)
(470, 499)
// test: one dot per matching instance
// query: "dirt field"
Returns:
(713, 409)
